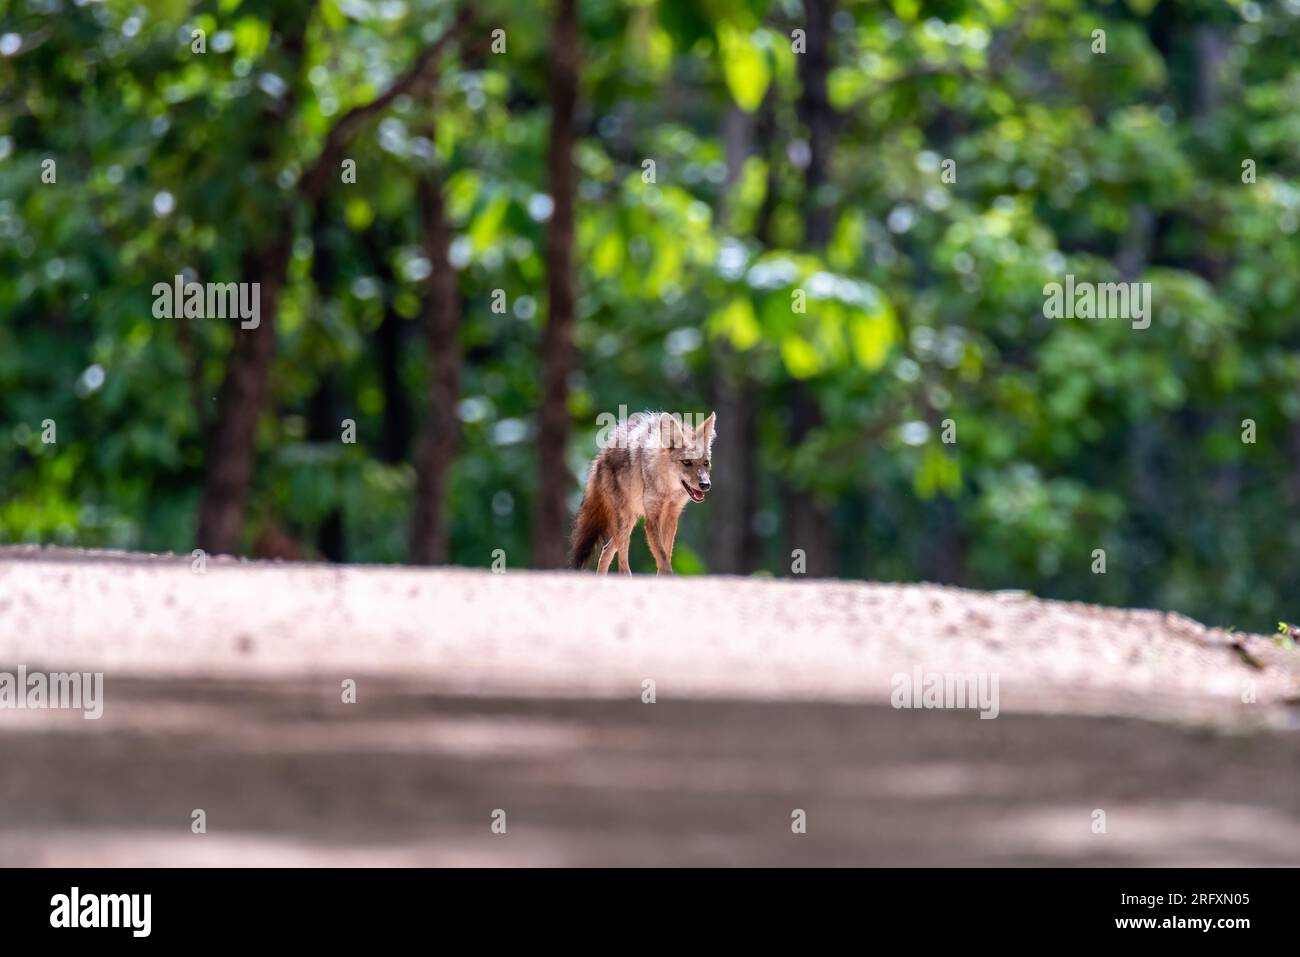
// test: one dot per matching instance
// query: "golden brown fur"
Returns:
(651, 466)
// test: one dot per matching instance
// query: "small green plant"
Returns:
(1287, 634)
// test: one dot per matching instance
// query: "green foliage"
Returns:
(924, 307)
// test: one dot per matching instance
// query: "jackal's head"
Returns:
(690, 450)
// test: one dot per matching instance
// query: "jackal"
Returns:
(652, 465)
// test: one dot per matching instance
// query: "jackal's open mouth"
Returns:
(697, 495)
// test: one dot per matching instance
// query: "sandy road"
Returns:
(523, 692)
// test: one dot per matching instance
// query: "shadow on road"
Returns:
(288, 774)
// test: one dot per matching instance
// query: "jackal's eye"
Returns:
(689, 463)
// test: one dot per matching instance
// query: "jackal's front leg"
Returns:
(654, 527)
(668, 533)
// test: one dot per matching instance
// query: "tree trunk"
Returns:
(390, 343)
(437, 443)
(323, 418)
(733, 543)
(243, 392)
(239, 407)
(808, 525)
(323, 425)
(943, 559)
(233, 441)
(765, 129)
(553, 480)
(1211, 50)
(818, 117)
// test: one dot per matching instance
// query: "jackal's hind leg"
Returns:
(623, 542)
(606, 556)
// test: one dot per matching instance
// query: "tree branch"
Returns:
(414, 81)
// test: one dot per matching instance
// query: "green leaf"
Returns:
(872, 337)
(744, 65)
(800, 357)
(736, 321)
(486, 227)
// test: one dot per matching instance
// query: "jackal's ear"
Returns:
(705, 430)
(671, 434)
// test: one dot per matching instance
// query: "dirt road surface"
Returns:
(524, 693)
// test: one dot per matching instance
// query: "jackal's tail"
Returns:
(590, 526)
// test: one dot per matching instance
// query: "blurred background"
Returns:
(477, 228)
